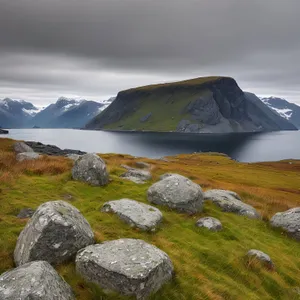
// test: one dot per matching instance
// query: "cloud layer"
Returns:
(94, 48)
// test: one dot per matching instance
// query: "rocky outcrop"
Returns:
(51, 149)
(289, 221)
(229, 201)
(177, 192)
(136, 214)
(3, 131)
(90, 168)
(27, 156)
(201, 105)
(136, 175)
(264, 258)
(210, 223)
(130, 267)
(21, 147)
(56, 231)
(35, 280)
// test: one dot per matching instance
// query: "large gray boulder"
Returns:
(21, 147)
(128, 266)
(90, 168)
(210, 223)
(34, 281)
(289, 221)
(229, 201)
(56, 231)
(264, 258)
(177, 192)
(27, 156)
(134, 213)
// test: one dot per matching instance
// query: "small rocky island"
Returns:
(200, 105)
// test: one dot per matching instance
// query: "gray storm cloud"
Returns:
(94, 48)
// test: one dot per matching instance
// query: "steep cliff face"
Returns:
(202, 105)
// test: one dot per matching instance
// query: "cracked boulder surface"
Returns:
(35, 280)
(128, 266)
(134, 213)
(90, 168)
(56, 231)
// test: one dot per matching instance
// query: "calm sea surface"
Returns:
(254, 147)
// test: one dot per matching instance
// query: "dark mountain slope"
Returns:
(201, 105)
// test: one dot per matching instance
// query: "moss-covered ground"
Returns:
(207, 265)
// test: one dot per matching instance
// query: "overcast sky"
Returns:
(94, 48)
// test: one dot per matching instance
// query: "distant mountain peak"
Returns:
(285, 109)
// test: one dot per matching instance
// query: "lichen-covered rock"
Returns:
(27, 156)
(90, 168)
(56, 231)
(134, 213)
(261, 256)
(177, 192)
(128, 266)
(21, 147)
(229, 201)
(210, 223)
(35, 280)
(136, 175)
(289, 221)
(25, 213)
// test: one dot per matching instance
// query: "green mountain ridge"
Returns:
(200, 105)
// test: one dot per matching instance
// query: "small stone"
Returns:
(230, 201)
(210, 223)
(27, 156)
(25, 213)
(261, 256)
(128, 266)
(136, 214)
(35, 280)
(21, 147)
(136, 175)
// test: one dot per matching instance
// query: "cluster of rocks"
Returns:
(128, 266)
(52, 150)
(25, 152)
(33, 150)
(58, 232)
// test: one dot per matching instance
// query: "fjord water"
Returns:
(246, 147)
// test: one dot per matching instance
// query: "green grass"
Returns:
(167, 111)
(184, 83)
(207, 265)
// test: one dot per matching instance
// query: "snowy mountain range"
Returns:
(65, 113)
(287, 110)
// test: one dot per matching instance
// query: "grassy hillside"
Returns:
(208, 265)
(167, 111)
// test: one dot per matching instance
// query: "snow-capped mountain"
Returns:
(289, 111)
(16, 113)
(67, 113)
